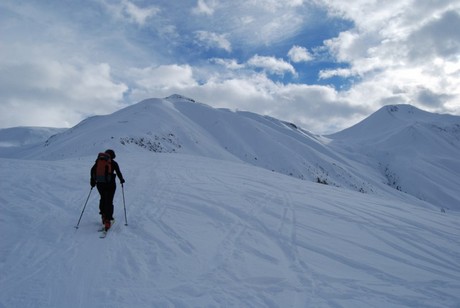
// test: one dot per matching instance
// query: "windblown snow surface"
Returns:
(209, 233)
(205, 228)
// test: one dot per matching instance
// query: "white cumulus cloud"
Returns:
(299, 54)
(213, 40)
(271, 65)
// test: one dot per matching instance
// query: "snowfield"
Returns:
(211, 233)
(226, 209)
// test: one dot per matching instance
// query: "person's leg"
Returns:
(110, 196)
(105, 203)
(102, 201)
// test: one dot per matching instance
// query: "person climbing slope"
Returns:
(103, 174)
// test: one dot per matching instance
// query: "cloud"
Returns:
(60, 93)
(115, 52)
(127, 10)
(299, 54)
(204, 7)
(401, 53)
(160, 81)
(289, 102)
(231, 64)
(437, 38)
(213, 40)
(249, 23)
(271, 65)
(276, 5)
(428, 98)
(256, 92)
(341, 72)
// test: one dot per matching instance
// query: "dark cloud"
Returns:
(440, 37)
(428, 98)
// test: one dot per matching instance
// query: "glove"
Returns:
(122, 181)
(92, 183)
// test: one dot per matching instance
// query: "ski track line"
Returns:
(253, 221)
(92, 260)
(394, 229)
(235, 232)
(163, 199)
(305, 287)
(391, 228)
(29, 256)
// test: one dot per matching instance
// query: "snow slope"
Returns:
(213, 233)
(381, 156)
(418, 152)
(15, 140)
(21, 136)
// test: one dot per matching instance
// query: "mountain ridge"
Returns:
(370, 157)
(415, 150)
(391, 117)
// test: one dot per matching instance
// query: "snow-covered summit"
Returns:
(416, 151)
(399, 150)
(178, 97)
(181, 125)
(393, 118)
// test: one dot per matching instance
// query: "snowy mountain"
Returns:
(15, 138)
(22, 136)
(209, 224)
(399, 150)
(417, 152)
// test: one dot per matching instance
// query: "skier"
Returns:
(103, 175)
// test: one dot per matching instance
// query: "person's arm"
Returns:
(92, 180)
(116, 167)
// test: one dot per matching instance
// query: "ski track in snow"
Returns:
(207, 233)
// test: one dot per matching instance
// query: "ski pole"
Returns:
(124, 204)
(84, 207)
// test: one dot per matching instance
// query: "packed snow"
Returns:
(217, 215)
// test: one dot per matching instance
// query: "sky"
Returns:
(321, 64)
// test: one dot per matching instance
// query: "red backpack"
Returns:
(103, 168)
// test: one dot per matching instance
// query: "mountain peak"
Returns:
(176, 97)
(400, 108)
(375, 156)
(392, 118)
(406, 112)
